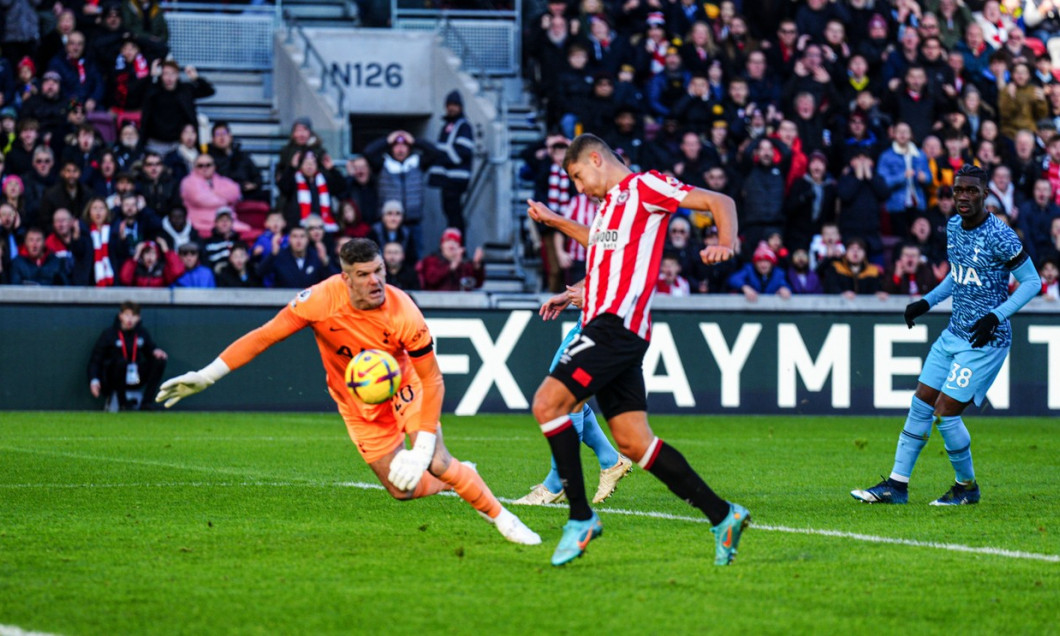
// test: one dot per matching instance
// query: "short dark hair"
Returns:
(582, 145)
(220, 124)
(972, 172)
(359, 250)
(130, 305)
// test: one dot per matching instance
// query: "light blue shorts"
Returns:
(961, 372)
(569, 338)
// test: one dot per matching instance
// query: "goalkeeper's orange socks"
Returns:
(429, 485)
(469, 485)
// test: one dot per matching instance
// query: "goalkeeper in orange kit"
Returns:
(357, 310)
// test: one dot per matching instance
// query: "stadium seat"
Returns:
(103, 122)
(252, 213)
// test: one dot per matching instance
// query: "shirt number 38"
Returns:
(959, 375)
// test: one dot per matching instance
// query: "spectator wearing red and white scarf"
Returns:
(96, 224)
(553, 186)
(670, 282)
(995, 24)
(80, 77)
(132, 76)
(312, 185)
(72, 249)
(655, 44)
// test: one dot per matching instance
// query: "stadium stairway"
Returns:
(525, 129)
(244, 100)
(514, 267)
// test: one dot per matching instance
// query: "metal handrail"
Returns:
(492, 164)
(327, 75)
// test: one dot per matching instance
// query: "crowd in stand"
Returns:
(836, 125)
(105, 181)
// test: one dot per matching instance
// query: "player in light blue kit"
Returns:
(613, 465)
(983, 251)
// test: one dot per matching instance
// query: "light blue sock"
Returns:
(593, 437)
(552, 480)
(913, 438)
(958, 446)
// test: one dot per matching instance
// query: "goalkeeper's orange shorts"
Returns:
(377, 429)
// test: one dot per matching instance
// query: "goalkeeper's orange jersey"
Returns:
(341, 331)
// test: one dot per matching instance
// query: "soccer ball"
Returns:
(373, 376)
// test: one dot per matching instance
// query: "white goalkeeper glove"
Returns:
(407, 467)
(180, 387)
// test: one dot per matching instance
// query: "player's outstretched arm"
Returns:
(176, 389)
(408, 465)
(542, 214)
(236, 355)
(723, 208)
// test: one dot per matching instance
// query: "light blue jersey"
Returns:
(978, 269)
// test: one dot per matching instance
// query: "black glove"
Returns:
(915, 310)
(983, 330)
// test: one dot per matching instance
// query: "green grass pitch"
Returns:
(212, 523)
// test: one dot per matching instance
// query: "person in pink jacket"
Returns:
(204, 191)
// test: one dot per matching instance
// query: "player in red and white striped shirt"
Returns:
(625, 242)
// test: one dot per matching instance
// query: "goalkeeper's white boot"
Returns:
(514, 530)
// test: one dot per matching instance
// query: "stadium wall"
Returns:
(822, 355)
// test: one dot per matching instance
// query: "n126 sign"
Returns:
(368, 75)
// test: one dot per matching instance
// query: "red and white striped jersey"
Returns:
(581, 209)
(625, 248)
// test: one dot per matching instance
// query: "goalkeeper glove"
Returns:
(915, 310)
(180, 387)
(983, 329)
(407, 467)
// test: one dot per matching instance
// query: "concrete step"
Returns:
(245, 129)
(240, 93)
(223, 76)
(238, 112)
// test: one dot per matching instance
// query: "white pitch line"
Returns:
(651, 514)
(12, 630)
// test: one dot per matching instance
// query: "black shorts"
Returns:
(605, 361)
